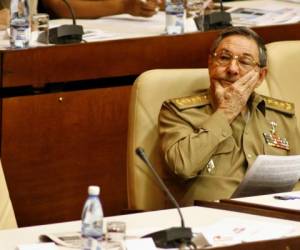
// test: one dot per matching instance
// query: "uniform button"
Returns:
(224, 134)
(246, 132)
(196, 130)
(249, 155)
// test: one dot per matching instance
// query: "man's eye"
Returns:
(225, 57)
(246, 61)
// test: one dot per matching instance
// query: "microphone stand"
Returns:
(174, 236)
(70, 10)
(64, 34)
(214, 20)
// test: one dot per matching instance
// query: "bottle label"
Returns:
(20, 33)
(19, 24)
(19, 36)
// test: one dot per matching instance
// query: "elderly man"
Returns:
(212, 138)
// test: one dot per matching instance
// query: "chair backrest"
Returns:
(148, 93)
(153, 87)
(7, 215)
(283, 78)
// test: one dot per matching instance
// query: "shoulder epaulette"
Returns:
(279, 105)
(198, 100)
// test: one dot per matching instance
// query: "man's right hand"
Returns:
(232, 100)
(145, 8)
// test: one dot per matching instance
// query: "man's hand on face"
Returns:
(232, 99)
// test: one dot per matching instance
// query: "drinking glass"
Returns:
(40, 24)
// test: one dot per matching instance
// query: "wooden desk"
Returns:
(64, 117)
(143, 223)
(265, 205)
(242, 207)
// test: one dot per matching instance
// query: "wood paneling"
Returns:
(118, 58)
(55, 145)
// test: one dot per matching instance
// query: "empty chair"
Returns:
(7, 215)
(283, 74)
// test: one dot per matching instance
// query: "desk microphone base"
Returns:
(172, 237)
(64, 34)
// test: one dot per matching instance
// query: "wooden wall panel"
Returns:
(118, 58)
(55, 145)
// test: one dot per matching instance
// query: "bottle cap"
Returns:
(94, 190)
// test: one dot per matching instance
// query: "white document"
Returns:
(231, 231)
(68, 239)
(262, 17)
(91, 35)
(138, 244)
(270, 174)
(292, 1)
(37, 246)
(74, 240)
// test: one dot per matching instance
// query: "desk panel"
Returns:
(64, 63)
(55, 145)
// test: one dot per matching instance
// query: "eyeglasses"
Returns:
(245, 62)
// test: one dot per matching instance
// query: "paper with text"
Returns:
(270, 174)
(263, 17)
(231, 231)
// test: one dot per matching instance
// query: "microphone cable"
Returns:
(71, 11)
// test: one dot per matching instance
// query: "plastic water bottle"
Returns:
(175, 15)
(92, 220)
(19, 24)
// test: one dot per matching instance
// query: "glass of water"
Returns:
(115, 231)
(175, 18)
(40, 24)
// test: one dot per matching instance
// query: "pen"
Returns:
(286, 197)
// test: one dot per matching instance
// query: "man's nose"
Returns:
(233, 67)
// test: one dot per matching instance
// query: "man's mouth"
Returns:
(225, 83)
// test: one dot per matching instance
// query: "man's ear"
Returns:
(262, 74)
(210, 60)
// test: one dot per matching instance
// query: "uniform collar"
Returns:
(257, 102)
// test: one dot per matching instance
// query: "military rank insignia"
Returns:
(210, 167)
(274, 140)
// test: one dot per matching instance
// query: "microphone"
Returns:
(175, 236)
(66, 33)
(214, 20)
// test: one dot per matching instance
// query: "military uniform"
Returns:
(200, 145)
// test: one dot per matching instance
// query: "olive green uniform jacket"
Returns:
(201, 146)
